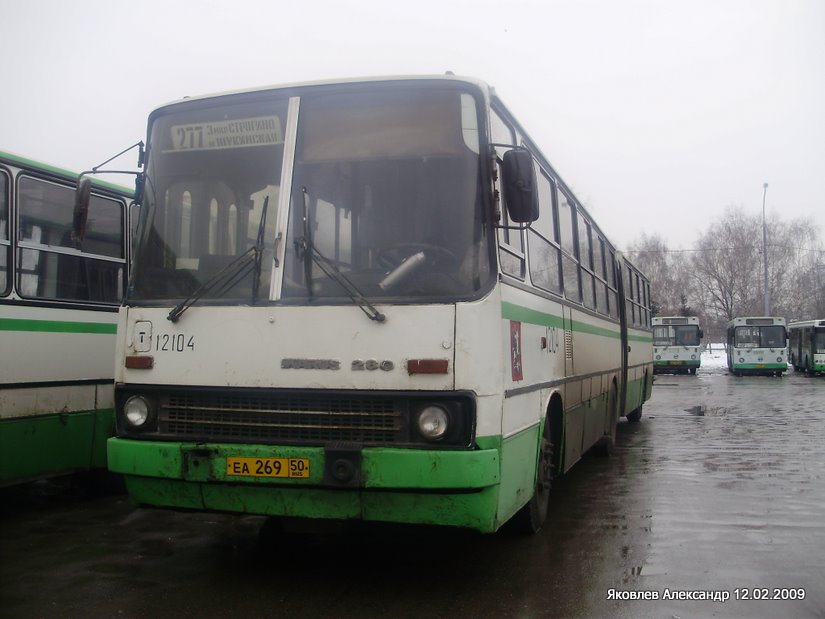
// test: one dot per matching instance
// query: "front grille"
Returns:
(317, 417)
(283, 417)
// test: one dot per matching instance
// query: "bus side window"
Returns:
(567, 236)
(5, 246)
(542, 240)
(93, 270)
(510, 241)
(586, 261)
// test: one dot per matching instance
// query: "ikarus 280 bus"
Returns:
(368, 299)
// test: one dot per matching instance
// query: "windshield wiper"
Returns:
(259, 251)
(232, 273)
(307, 250)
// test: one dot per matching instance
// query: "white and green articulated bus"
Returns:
(757, 345)
(59, 294)
(368, 299)
(806, 344)
(676, 344)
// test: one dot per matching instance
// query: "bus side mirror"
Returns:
(519, 186)
(81, 210)
(701, 334)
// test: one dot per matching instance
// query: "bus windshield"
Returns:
(676, 335)
(819, 341)
(760, 337)
(385, 191)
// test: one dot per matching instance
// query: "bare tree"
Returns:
(793, 269)
(726, 266)
(670, 285)
(723, 276)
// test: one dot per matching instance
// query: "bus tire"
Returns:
(530, 518)
(607, 443)
(635, 415)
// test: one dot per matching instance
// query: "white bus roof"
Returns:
(334, 82)
(759, 321)
(797, 324)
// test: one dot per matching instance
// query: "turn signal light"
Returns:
(140, 362)
(427, 366)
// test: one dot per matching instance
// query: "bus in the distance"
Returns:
(368, 299)
(676, 344)
(806, 346)
(757, 345)
(59, 294)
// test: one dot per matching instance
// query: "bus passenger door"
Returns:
(624, 340)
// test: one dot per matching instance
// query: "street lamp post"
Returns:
(765, 251)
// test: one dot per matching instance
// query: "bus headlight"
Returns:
(693, 356)
(741, 359)
(779, 359)
(433, 422)
(136, 411)
(658, 357)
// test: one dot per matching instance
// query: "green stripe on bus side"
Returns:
(56, 326)
(511, 311)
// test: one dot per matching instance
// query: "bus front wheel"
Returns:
(531, 517)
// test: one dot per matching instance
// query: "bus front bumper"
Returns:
(671, 365)
(457, 488)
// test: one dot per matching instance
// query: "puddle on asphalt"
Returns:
(700, 410)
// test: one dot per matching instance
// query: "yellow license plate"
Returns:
(268, 467)
(760, 365)
(675, 363)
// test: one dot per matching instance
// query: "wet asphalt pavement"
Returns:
(718, 492)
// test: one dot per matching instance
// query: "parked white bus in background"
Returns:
(676, 344)
(58, 314)
(368, 300)
(757, 345)
(806, 346)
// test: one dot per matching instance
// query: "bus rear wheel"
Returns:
(607, 443)
(634, 416)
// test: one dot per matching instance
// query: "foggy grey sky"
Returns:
(657, 113)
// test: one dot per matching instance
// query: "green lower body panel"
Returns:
(760, 368)
(47, 445)
(457, 488)
(638, 391)
(676, 365)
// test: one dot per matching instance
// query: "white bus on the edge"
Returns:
(806, 343)
(59, 295)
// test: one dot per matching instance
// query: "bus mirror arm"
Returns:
(140, 183)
